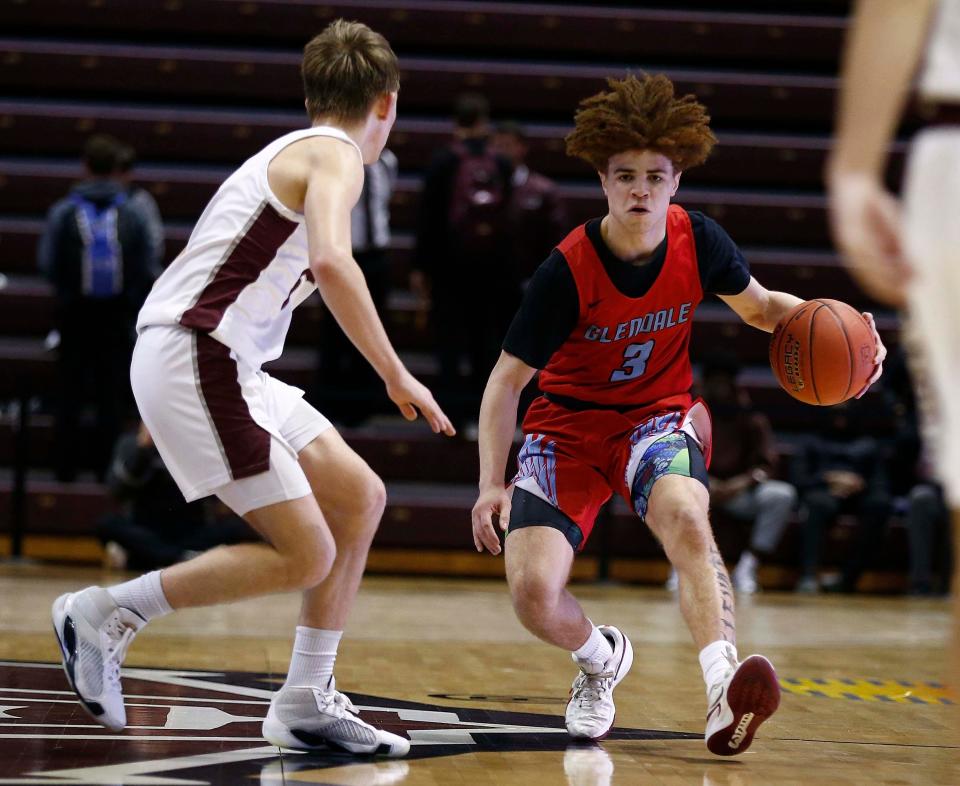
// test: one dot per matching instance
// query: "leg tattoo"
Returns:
(726, 595)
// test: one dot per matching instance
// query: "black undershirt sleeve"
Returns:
(723, 268)
(550, 308)
(547, 315)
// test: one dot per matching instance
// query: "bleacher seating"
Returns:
(227, 136)
(670, 34)
(197, 87)
(753, 217)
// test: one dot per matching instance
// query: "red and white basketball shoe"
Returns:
(744, 698)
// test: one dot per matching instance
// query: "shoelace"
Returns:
(591, 687)
(120, 635)
(337, 704)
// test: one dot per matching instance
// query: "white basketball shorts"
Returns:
(932, 330)
(221, 426)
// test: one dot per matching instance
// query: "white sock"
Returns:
(314, 653)
(714, 660)
(594, 652)
(143, 595)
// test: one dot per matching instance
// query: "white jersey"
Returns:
(940, 75)
(246, 265)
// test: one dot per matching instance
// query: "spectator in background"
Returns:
(141, 199)
(348, 388)
(841, 471)
(157, 526)
(95, 249)
(742, 469)
(928, 533)
(538, 219)
(918, 497)
(463, 256)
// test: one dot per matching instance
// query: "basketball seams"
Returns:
(809, 346)
(848, 341)
(779, 340)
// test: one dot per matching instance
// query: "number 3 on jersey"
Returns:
(635, 358)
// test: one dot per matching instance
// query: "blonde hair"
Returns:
(641, 114)
(345, 69)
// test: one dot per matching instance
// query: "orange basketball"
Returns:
(822, 352)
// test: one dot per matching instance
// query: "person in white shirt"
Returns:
(907, 254)
(275, 231)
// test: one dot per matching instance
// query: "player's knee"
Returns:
(370, 501)
(687, 533)
(374, 499)
(534, 596)
(312, 563)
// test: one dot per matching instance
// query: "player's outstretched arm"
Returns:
(763, 309)
(760, 307)
(333, 184)
(498, 419)
(864, 217)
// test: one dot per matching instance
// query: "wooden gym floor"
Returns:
(445, 662)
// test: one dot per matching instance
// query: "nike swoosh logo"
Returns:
(595, 303)
(714, 707)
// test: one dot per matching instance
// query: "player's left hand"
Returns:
(878, 358)
(493, 501)
(866, 224)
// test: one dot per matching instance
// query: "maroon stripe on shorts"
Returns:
(250, 253)
(244, 443)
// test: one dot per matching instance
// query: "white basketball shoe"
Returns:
(94, 633)
(746, 695)
(310, 718)
(590, 710)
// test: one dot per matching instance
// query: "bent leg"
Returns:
(352, 499)
(677, 515)
(538, 561)
(298, 553)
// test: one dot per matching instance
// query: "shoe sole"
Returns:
(278, 733)
(623, 668)
(753, 696)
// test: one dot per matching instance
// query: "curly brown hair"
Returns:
(641, 114)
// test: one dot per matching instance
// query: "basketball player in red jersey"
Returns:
(277, 230)
(607, 319)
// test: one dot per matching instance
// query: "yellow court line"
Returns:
(897, 691)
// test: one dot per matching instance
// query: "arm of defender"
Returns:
(875, 83)
(498, 419)
(333, 185)
(865, 218)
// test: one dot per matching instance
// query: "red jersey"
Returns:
(624, 351)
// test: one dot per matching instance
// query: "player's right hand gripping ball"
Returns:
(822, 352)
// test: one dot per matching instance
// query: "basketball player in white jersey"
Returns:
(275, 231)
(908, 255)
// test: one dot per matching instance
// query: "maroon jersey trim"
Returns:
(251, 251)
(244, 443)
